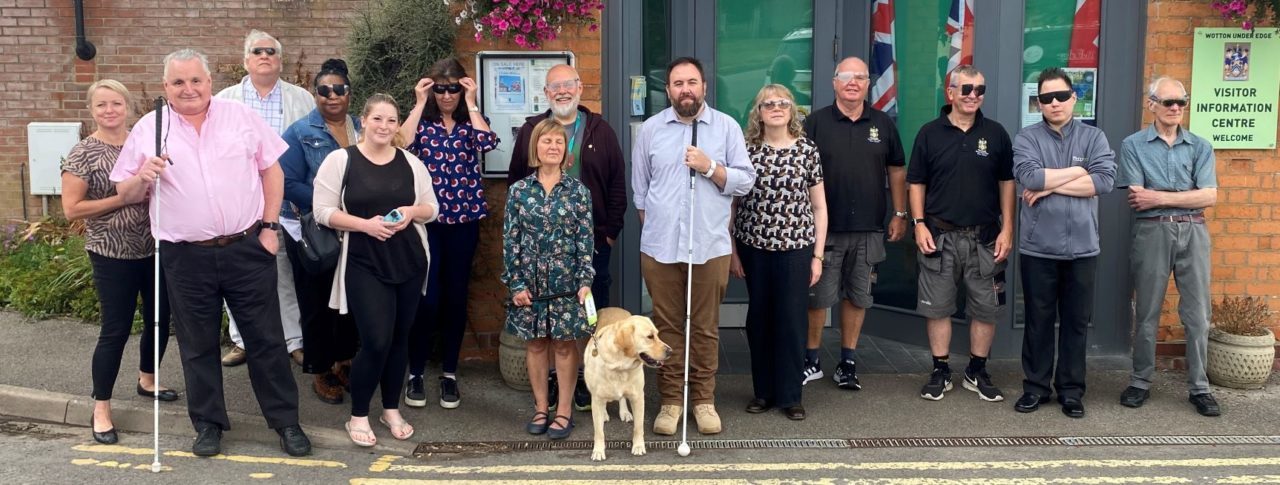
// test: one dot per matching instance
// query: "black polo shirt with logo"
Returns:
(855, 155)
(962, 170)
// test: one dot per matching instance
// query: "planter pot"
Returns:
(511, 361)
(1239, 362)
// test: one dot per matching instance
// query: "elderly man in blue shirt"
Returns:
(1171, 179)
(661, 157)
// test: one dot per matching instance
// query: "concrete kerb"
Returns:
(137, 417)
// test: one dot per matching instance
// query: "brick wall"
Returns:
(42, 80)
(1245, 223)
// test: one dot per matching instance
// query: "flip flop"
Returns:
(400, 426)
(360, 443)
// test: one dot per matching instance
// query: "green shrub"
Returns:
(392, 44)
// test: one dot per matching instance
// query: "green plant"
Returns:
(1238, 315)
(391, 45)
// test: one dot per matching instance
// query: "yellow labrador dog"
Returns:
(613, 370)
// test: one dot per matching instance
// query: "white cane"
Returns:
(683, 449)
(155, 305)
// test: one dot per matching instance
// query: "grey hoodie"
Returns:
(1060, 226)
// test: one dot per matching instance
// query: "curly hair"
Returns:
(755, 124)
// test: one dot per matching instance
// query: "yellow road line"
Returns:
(382, 463)
(833, 481)
(116, 465)
(268, 460)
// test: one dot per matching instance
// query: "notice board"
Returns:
(511, 91)
(1235, 74)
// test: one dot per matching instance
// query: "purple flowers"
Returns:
(529, 23)
(1237, 10)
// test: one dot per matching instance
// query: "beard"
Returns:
(566, 110)
(689, 110)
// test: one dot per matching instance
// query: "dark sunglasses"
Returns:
(1061, 96)
(976, 89)
(257, 51)
(1168, 103)
(336, 89)
(454, 88)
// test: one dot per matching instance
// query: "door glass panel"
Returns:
(760, 42)
(656, 53)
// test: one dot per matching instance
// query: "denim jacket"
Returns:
(309, 142)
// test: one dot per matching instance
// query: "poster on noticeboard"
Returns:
(511, 91)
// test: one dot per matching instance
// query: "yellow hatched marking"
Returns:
(382, 463)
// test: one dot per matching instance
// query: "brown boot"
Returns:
(327, 388)
(343, 371)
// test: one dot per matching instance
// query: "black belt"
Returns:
(945, 226)
(229, 239)
(1192, 218)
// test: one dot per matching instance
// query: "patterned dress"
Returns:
(454, 162)
(547, 249)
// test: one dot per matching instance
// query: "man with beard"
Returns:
(216, 214)
(661, 159)
(594, 157)
(280, 104)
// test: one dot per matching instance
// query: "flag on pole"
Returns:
(1084, 34)
(884, 94)
(960, 31)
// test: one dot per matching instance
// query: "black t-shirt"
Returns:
(376, 190)
(855, 156)
(962, 170)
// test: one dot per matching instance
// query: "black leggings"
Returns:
(384, 315)
(119, 282)
(443, 310)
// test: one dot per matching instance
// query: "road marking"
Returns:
(261, 476)
(382, 463)
(115, 464)
(833, 481)
(1250, 479)
(267, 460)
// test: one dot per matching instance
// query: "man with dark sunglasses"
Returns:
(1171, 179)
(1063, 165)
(961, 192)
(280, 104)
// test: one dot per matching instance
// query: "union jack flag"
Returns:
(960, 30)
(884, 94)
(1084, 34)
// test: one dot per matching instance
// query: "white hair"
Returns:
(1155, 85)
(186, 55)
(256, 35)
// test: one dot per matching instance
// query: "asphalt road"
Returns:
(48, 453)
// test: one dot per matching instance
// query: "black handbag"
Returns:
(320, 246)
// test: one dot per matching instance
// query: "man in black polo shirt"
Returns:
(961, 177)
(859, 147)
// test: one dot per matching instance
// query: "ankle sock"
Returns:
(811, 356)
(942, 363)
(976, 364)
(846, 354)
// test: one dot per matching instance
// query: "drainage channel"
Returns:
(861, 443)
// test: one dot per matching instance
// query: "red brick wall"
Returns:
(41, 80)
(1245, 223)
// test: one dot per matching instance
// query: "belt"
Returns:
(227, 240)
(945, 226)
(1193, 218)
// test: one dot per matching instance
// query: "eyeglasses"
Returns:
(454, 88)
(562, 85)
(1169, 103)
(1061, 96)
(775, 104)
(257, 51)
(976, 89)
(336, 89)
(845, 77)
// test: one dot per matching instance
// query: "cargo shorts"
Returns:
(848, 269)
(961, 257)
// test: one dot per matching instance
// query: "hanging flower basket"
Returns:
(1239, 11)
(528, 23)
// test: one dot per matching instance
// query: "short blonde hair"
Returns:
(110, 85)
(548, 126)
(755, 123)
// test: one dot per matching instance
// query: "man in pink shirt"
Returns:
(216, 213)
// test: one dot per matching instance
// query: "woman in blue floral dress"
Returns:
(546, 252)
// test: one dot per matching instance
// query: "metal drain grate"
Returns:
(951, 442)
(1168, 440)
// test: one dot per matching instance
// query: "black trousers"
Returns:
(243, 274)
(603, 280)
(384, 315)
(443, 310)
(330, 337)
(1054, 289)
(119, 282)
(777, 320)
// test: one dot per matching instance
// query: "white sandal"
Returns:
(352, 434)
(400, 426)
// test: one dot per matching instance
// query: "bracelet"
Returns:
(473, 109)
(819, 257)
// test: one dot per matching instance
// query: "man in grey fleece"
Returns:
(1063, 165)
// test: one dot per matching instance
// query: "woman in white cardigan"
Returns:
(372, 193)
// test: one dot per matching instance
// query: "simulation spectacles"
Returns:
(257, 51)
(1060, 96)
(1169, 103)
(845, 77)
(775, 104)
(562, 85)
(336, 89)
(453, 88)
(976, 89)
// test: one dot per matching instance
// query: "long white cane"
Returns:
(683, 449)
(155, 304)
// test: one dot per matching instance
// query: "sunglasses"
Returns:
(336, 89)
(1169, 103)
(454, 88)
(845, 77)
(775, 104)
(257, 51)
(562, 85)
(1060, 96)
(976, 89)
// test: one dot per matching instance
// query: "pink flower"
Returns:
(542, 24)
(593, 28)
(1247, 25)
(479, 37)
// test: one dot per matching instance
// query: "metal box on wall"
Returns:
(48, 143)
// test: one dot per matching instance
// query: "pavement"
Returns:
(46, 378)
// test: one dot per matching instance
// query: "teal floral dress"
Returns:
(547, 249)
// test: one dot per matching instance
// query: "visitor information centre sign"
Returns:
(1235, 76)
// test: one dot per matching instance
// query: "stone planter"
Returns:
(1239, 362)
(511, 361)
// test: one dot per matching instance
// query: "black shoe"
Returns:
(846, 376)
(538, 428)
(795, 413)
(449, 396)
(562, 433)
(980, 382)
(581, 395)
(757, 406)
(1029, 402)
(166, 395)
(939, 383)
(1073, 408)
(1205, 404)
(293, 441)
(415, 396)
(108, 437)
(1133, 397)
(208, 440)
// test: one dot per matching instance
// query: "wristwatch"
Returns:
(710, 171)
(473, 109)
(274, 226)
(902, 214)
(915, 221)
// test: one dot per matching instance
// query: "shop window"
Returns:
(760, 42)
